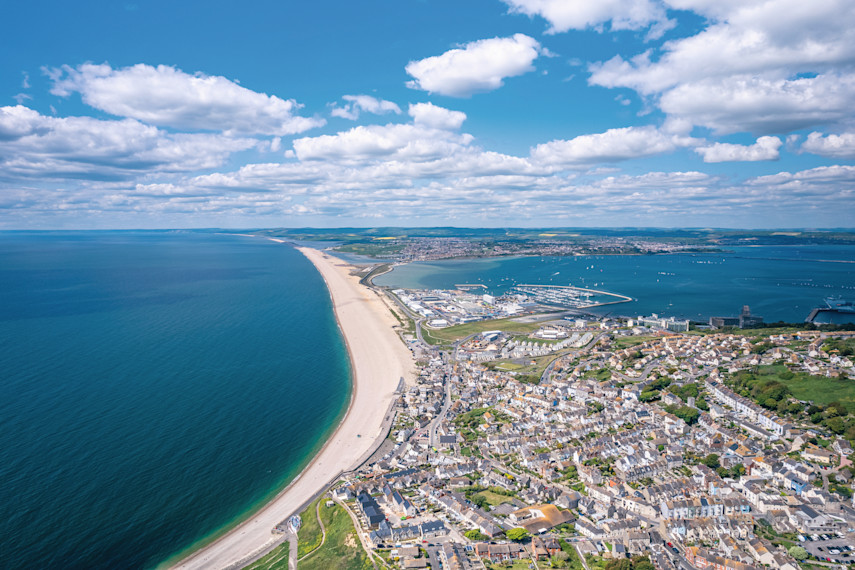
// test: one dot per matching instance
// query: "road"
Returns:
(434, 424)
(292, 550)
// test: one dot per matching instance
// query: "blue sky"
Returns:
(704, 113)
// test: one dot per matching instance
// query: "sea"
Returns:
(778, 283)
(155, 387)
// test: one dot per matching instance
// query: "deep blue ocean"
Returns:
(154, 387)
(779, 283)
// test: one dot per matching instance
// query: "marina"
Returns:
(569, 297)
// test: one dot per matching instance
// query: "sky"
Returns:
(482, 113)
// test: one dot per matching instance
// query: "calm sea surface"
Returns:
(777, 282)
(154, 386)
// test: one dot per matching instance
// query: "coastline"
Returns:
(378, 361)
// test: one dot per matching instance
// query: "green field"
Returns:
(341, 549)
(622, 342)
(451, 334)
(494, 499)
(276, 560)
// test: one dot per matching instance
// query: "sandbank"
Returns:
(378, 361)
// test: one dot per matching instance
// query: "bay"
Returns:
(779, 283)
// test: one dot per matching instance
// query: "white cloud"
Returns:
(476, 67)
(355, 104)
(834, 146)
(374, 142)
(760, 105)
(766, 148)
(610, 146)
(835, 175)
(168, 97)
(787, 59)
(564, 15)
(429, 115)
(35, 145)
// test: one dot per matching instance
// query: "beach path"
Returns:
(378, 360)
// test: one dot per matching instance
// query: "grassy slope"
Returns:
(342, 549)
(310, 535)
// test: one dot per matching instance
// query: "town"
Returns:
(546, 440)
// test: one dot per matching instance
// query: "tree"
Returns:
(619, 564)
(835, 424)
(517, 534)
(797, 552)
(475, 534)
(711, 461)
(480, 501)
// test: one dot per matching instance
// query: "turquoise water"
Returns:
(153, 387)
(777, 282)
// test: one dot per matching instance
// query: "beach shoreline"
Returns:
(378, 361)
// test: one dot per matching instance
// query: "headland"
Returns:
(378, 361)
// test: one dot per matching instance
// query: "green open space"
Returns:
(451, 334)
(493, 499)
(807, 387)
(341, 549)
(529, 372)
(622, 342)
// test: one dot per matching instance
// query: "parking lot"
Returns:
(831, 547)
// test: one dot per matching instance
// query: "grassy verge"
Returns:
(310, 534)
(342, 549)
(276, 560)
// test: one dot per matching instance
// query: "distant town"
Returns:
(426, 244)
(535, 438)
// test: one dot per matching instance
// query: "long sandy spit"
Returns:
(378, 360)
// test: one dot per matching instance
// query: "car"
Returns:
(801, 538)
(674, 549)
